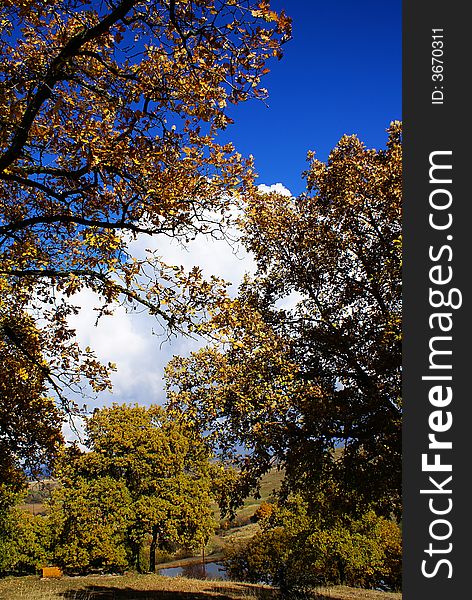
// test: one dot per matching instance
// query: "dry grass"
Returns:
(129, 587)
(155, 587)
(346, 593)
(35, 508)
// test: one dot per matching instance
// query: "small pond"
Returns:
(209, 570)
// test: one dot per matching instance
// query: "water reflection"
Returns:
(210, 570)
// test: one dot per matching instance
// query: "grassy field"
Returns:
(154, 587)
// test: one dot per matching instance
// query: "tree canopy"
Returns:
(145, 477)
(306, 374)
(30, 432)
(109, 117)
(298, 548)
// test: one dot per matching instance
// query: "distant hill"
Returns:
(39, 491)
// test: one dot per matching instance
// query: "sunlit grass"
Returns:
(155, 587)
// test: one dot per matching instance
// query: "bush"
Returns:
(22, 543)
(87, 526)
(263, 512)
(297, 550)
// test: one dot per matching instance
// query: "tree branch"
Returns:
(55, 74)
(130, 294)
(11, 228)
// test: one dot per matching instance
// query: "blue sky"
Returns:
(341, 73)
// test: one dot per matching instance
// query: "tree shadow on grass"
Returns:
(95, 592)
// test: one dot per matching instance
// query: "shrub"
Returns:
(263, 512)
(22, 543)
(297, 550)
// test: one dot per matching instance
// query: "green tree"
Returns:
(299, 547)
(87, 521)
(8, 525)
(315, 387)
(162, 472)
(23, 537)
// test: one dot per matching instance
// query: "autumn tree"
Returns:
(86, 523)
(306, 373)
(23, 541)
(30, 432)
(156, 477)
(109, 114)
(298, 548)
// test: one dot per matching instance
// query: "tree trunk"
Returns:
(342, 574)
(135, 556)
(152, 549)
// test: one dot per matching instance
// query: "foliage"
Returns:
(30, 432)
(305, 370)
(297, 549)
(109, 117)
(263, 512)
(146, 477)
(8, 499)
(87, 525)
(22, 537)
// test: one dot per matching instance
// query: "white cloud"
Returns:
(290, 301)
(219, 257)
(127, 338)
(279, 188)
(73, 430)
